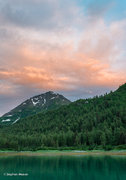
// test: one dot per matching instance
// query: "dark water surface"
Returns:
(63, 168)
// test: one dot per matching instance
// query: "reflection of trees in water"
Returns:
(66, 167)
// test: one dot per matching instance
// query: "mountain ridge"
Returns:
(38, 103)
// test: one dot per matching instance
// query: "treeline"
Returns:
(94, 123)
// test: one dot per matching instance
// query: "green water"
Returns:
(63, 168)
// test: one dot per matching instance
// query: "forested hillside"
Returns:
(94, 123)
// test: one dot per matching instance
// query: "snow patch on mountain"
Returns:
(53, 97)
(16, 120)
(36, 98)
(34, 103)
(6, 120)
(9, 115)
(44, 100)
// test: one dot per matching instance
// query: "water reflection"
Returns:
(64, 167)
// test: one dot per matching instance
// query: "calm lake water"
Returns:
(63, 168)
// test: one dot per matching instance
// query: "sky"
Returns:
(75, 48)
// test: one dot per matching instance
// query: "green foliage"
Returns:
(97, 123)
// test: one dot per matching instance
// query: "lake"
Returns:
(76, 167)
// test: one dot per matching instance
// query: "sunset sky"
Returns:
(76, 48)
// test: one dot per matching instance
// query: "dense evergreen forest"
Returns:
(94, 123)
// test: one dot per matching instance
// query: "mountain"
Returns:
(93, 123)
(34, 105)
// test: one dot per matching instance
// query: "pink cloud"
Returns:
(56, 63)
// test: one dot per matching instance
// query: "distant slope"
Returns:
(34, 105)
(89, 123)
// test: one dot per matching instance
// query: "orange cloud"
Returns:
(94, 62)
(64, 72)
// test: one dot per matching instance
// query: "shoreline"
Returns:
(63, 153)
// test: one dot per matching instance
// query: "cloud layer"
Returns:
(60, 46)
